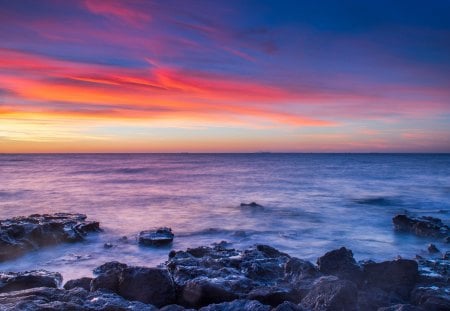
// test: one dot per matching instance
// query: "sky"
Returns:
(224, 76)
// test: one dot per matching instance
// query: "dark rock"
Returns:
(148, 285)
(446, 256)
(431, 298)
(202, 292)
(84, 283)
(174, 308)
(273, 295)
(237, 305)
(21, 234)
(330, 293)
(433, 249)
(288, 306)
(340, 262)
(253, 204)
(160, 236)
(108, 276)
(13, 281)
(422, 226)
(76, 299)
(297, 269)
(372, 298)
(401, 307)
(108, 245)
(112, 266)
(398, 276)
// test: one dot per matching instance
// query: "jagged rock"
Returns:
(288, 306)
(160, 236)
(13, 281)
(84, 283)
(76, 299)
(431, 298)
(21, 234)
(422, 226)
(398, 276)
(340, 262)
(149, 285)
(433, 249)
(237, 305)
(330, 294)
(373, 298)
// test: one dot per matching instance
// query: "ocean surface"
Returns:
(312, 202)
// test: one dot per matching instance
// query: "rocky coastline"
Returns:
(219, 277)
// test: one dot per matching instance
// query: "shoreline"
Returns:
(223, 278)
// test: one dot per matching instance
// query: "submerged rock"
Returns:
(21, 234)
(422, 226)
(252, 204)
(160, 236)
(13, 281)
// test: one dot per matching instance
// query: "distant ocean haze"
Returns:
(310, 203)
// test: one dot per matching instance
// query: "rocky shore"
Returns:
(219, 277)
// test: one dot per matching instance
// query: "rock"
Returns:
(237, 305)
(21, 234)
(288, 306)
(108, 245)
(330, 294)
(297, 269)
(202, 292)
(340, 262)
(273, 295)
(401, 307)
(174, 308)
(161, 236)
(148, 285)
(398, 276)
(431, 298)
(76, 299)
(446, 256)
(422, 226)
(223, 274)
(432, 249)
(373, 298)
(13, 281)
(253, 204)
(112, 266)
(84, 283)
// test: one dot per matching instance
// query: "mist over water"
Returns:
(312, 203)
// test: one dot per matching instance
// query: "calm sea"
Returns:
(312, 202)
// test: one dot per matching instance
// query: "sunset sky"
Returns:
(224, 76)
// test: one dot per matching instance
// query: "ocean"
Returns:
(311, 203)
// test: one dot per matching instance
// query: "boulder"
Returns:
(13, 281)
(431, 298)
(330, 294)
(252, 204)
(398, 276)
(84, 283)
(158, 237)
(401, 307)
(148, 285)
(21, 234)
(422, 226)
(340, 262)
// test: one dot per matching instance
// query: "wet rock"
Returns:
(288, 306)
(432, 249)
(223, 274)
(77, 299)
(21, 234)
(160, 236)
(107, 276)
(202, 292)
(297, 269)
(431, 298)
(422, 226)
(252, 204)
(398, 276)
(274, 295)
(340, 262)
(330, 293)
(13, 281)
(108, 245)
(174, 308)
(112, 266)
(446, 256)
(148, 285)
(237, 305)
(372, 298)
(84, 283)
(401, 307)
